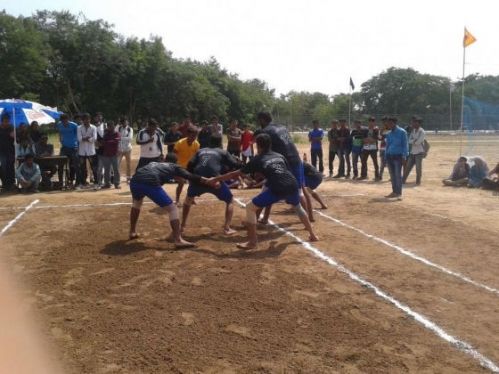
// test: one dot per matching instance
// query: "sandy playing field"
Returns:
(402, 286)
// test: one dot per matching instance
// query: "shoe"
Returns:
(118, 187)
(392, 195)
(338, 176)
(399, 197)
(78, 187)
(96, 187)
(347, 176)
(362, 178)
(106, 186)
(355, 177)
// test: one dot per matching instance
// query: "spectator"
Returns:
(109, 158)
(417, 151)
(333, 135)
(478, 171)
(216, 131)
(492, 180)
(28, 174)
(382, 148)
(204, 136)
(172, 135)
(357, 135)
(44, 149)
(234, 139)
(24, 143)
(34, 132)
(7, 153)
(151, 148)
(184, 127)
(68, 137)
(100, 127)
(344, 149)
(370, 149)
(125, 147)
(460, 174)
(246, 144)
(87, 136)
(315, 137)
(396, 153)
(185, 149)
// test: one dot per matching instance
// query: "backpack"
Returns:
(426, 147)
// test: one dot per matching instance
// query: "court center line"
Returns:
(411, 254)
(427, 323)
(18, 217)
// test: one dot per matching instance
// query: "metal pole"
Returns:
(462, 104)
(450, 104)
(349, 107)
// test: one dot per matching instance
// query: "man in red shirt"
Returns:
(110, 143)
(246, 144)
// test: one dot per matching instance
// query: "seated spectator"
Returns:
(478, 171)
(28, 175)
(34, 132)
(24, 143)
(44, 149)
(468, 171)
(460, 174)
(492, 180)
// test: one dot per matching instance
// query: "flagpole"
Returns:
(450, 103)
(462, 103)
(350, 107)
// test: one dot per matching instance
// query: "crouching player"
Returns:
(148, 181)
(209, 162)
(313, 178)
(280, 185)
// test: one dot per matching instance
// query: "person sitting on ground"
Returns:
(281, 185)
(468, 171)
(478, 171)
(148, 181)
(460, 174)
(492, 180)
(28, 174)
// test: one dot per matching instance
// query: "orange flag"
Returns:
(468, 38)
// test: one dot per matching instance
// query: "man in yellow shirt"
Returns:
(185, 149)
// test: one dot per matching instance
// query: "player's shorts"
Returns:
(247, 152)
(299, 174)
(312, 183)
(155, 193)
(223, 193)
(267, 198)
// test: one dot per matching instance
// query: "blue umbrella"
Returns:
(22, 111)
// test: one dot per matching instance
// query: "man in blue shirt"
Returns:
(315, 138)
(397, 150)
(69, 146)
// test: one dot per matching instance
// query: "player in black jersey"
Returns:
(148, 181)
(211, 162)
(280, 185)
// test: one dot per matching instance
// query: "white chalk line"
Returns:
(18, 217)
(411, 254)
(427, 323)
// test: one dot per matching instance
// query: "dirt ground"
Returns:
(108, 305)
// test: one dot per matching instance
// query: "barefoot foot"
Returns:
(247, 245)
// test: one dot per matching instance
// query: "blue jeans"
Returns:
(394, 164)
(316, 154)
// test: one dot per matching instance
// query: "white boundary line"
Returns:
(411, 254)
(18, 217)
(427, 323)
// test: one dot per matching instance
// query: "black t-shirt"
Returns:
(158, 173)
(281, 143)
(204, 137)
(6, 141)
(275, 169)
(209, 162)
(312, 173)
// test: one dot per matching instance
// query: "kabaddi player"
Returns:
(148, 181)
(280, 185)
(209, 162)
(313, 178)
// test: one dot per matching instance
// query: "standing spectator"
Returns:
(110, 145)
(172, 135)
(87, 136)
(216, 131)
(417, 152)
(125, 147)
(370, 149)
(100, 126)
(185, 149)
(396, 153)
(204, 136)
(246, 144)
(24, 143)
(315, 137)
(28, 174)
(234, 139)
(68, 137)
(183, 128)
(357, 135)
(333, 136)
(344, 149)
(382, 147)
(7, 153)
(149, 139)
(34, 132)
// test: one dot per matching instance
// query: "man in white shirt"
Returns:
(151, 147)
(417, 153)
(125, 146)
(87, 136)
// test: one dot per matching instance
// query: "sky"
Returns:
(306, 45)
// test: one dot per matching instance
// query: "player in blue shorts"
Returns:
(280, 185)
(148, 181)
(313, 178)
(210, 162)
